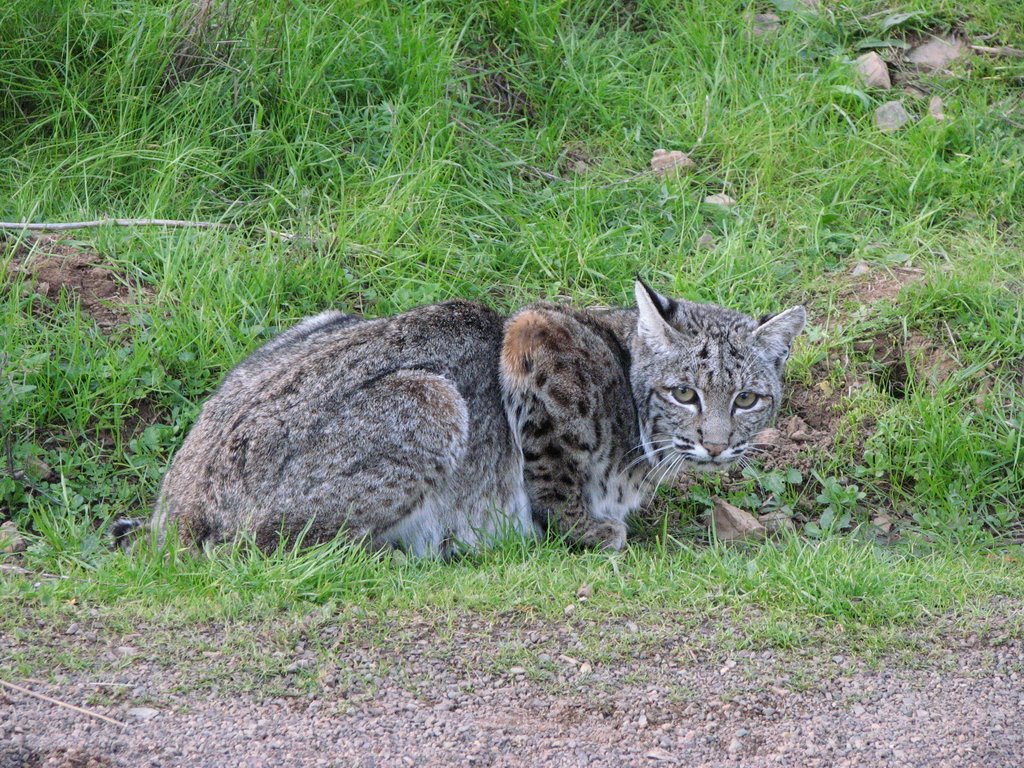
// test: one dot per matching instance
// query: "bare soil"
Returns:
(490, 89)
(435, 696)
(54, 267)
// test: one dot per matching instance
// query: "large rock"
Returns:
(936, 54)
(873, 71)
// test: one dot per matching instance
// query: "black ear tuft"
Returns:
(764, 319)
(663, 304)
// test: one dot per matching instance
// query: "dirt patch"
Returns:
(868, 285)
(144, 413)
(896, 362)
(806, 429)
(54, 268)
(491, 90)
(576, 162)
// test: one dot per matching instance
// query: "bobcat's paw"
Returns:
(606, 534)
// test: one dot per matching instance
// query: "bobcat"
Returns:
(444, 426)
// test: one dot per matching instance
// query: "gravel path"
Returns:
(425, 705)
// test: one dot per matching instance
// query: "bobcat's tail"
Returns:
(125, 530)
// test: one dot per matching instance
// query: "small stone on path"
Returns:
(142, 714)
(659, 754)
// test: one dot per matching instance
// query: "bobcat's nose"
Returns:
(715, 448)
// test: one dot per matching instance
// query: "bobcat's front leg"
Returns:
(557, 377)
(569, 517)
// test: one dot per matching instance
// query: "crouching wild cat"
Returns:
(443, 426)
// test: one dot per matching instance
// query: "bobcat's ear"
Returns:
(775, 334)
(652, 310)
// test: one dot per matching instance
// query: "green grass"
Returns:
(401, 144)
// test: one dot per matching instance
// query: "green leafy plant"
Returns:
(841, 503)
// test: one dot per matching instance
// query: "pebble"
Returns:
(720, 199)
(766, 23)
(873, 71)
(891, 116)
(664, 162)
(936, 54)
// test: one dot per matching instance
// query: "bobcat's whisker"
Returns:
(642, 458)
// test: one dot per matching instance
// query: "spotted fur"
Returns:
(444, 426)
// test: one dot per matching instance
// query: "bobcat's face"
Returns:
(706, 379)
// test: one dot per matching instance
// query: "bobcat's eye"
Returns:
(746, 400)
(684, 395)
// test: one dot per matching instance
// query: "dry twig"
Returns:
(60, 703)
(8, 568)
(62, 226)
(1004, 50)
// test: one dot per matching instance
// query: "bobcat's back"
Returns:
(392, 430)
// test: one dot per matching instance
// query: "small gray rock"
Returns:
(766, 23)
(873, 71)
(860, 269)
(891, 116)
(11, 540)
(937, 54)
(720, 199)
(142, 714)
